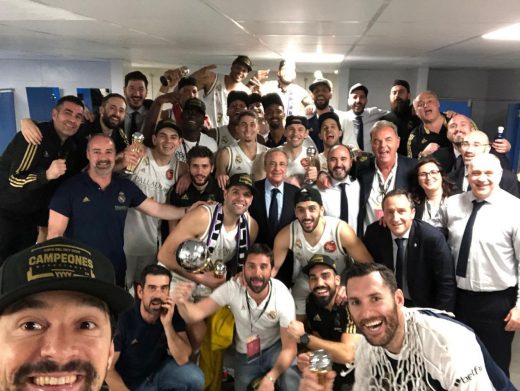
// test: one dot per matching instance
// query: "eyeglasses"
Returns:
(426, 173)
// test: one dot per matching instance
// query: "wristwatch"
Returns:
(304, 339)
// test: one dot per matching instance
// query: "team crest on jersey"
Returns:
(185, 197)
(271, 314)
(298, 243)
(121, 197)
(238, 160)
(169, 174)
(317, 318)
(330, 247)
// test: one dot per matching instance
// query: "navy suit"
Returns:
(429, 264)
(267, 233)
(405, 169)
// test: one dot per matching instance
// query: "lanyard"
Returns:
(383, 189)
(263, 310)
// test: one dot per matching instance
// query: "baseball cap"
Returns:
(319, 259)
(318, 82)
(296, 119)
(358, 86)
(61, 264)
(308, 194)
(328, 115)
(245, 61)
(195, 103)
(240, 179)
(168, 123)
(404, 83)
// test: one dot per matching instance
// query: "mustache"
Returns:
(156, 301)
(48, 366)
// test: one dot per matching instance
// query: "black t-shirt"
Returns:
(212, 192)
(143, 346)
(330, 325)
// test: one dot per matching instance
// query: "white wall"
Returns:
(67, 75)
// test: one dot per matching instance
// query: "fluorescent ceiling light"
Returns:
(509, 33)
(322, 58)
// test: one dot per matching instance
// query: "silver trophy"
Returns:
(313, 162)
(320, 363)
(194, 257)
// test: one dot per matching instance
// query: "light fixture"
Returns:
(509, 33)
(336, 71)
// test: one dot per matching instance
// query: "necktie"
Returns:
(358, 123)
(462, 261)
(133, 123)
(273, 209)
(458, 163)
(399, 261)
(343, 202)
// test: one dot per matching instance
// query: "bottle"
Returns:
(320, 363)
(500, 133)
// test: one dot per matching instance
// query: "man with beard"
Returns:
(459, 126)
(192, 125)
(294, 97)
(359, 119)
(203, 187)
(313, 233)
(227, 135)
(431, 133)
(274, 115)
(409, 349)
(242, 155)
(262, 308)
(328, 324)
(155, 174)
(341, 200)
(135, 90)
(152, 350)
(227, 228)
(216, 87)
(29, 175)
(401, 113)
(58, 305)
(321, 90)
(474, 144)
(416, 251)
(91, 207)
(330, 133)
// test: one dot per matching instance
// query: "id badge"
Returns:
(252, 348)
(379, 214)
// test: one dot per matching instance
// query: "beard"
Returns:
(259, 288)
(391, 323)
(109, 124)
(86, 369)
(400, 106)
(323, 301)
(153, 311)
(321, 105)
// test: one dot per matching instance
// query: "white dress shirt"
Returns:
(369, 116)
(494, 255)
(331, 198)
(279, 197)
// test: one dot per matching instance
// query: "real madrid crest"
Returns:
(271, 314)
(169, 174)
(121, 197)
(238, 159)
(298, 243)
(330, 247)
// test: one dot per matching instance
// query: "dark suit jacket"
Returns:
(403, 180)
(446, 158)
(267, 233)
(508, 182)
(429, 264)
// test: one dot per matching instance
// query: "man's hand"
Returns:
(182, 292)
(311, 174)
(30, 132)
(204, 74)
(167, 311)
(341, 296)
(209, 279)
(182, 184)
(501, 145)
(309, 381)
(303, 361)
(222, 180)
(265, 385)
(130, 156)
(254, 85)
(430, 148)
(169, 97)
(323, 182)
(513, 319)
(262, 75)
(450, 114)
(89, 116)
(296, 329)
(57, 168)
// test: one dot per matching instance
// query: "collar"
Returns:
(406, 235)
(269, 186)
(140, 110)
(346, 180)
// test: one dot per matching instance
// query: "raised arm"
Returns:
(353, 245)
(280, 249)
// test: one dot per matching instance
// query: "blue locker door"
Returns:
(459, 106)
(41, 102)
(7, 118)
